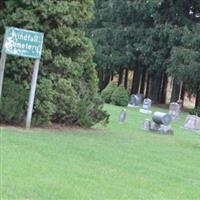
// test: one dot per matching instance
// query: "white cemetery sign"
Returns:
(25, 43)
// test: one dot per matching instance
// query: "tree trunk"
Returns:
(121, 73)
(104, 78)
(136, 81)
(100, 76)
(154, 87)
(163, 92)
(197, 103)
(182, 93)
(147, 88)
(112, 77)
(126, 79)
(143, 81)
(175, 91)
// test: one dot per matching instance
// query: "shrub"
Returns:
(67, 61)
(120, 96)
(195, 111)
(65, 101)
(91, 113)
(108, 91)
(13, 103)
(43, 107)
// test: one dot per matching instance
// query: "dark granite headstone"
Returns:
(135, 100)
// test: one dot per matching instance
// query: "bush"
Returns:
(91, 113)
(65, 101)
(43, 107)
(106, 94)
(120, 96)
(13, 103)
(195, 111)
(67, 61)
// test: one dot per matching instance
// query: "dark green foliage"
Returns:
(89, 113)
(67, 76)
(120, 96)
(108, 91)
(195, 111)
(147, 35)
(65, 102)
(12, 106)
(44, 106)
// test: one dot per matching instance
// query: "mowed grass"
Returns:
(117, 162)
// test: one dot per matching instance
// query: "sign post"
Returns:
(2, 68)
(32, 93)
(25, 43)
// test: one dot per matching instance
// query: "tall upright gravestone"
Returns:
(174, 109)
(146, 106)
(25, 43)
(135, 100)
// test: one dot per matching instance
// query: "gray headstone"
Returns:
(136, 99)
(147, 125)
(162, 118)
(122, 116)
(161, 123)
(174, 110)
(147, 104)
(133, 100)
(180, 103)
(192, 123)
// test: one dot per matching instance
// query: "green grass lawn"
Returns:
(117, 162)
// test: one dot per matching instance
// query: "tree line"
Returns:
(156, 39)
(67, 90)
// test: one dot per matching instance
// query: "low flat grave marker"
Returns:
(192, 123)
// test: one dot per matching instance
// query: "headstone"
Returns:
(180, 103)
(174, 110)
(146, 106)
(162, 118)
(162, 123)
(192, 123)
(147, 125)
(141, 97)
(122, 116)
(135, 100)
(166, 129)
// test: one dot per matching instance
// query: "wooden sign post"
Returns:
(25, 43)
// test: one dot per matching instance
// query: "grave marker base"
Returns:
(149, 112)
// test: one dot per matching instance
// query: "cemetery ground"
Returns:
(117, 162)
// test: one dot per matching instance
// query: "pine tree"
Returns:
(67, 55)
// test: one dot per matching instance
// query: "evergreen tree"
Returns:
(143, 35)
(67, 69)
